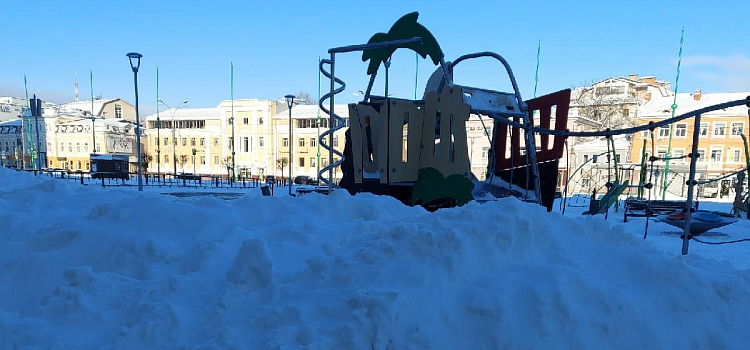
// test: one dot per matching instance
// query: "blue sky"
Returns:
(275, 48)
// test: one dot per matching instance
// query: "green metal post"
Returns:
(674, 107)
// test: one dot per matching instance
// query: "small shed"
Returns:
(112, 166)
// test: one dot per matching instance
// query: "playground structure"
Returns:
(415, 150)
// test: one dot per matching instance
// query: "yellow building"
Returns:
(720, 145)
(73, 142)
(254, 149)
(304, 140)
(170, 148)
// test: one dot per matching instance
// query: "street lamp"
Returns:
(174, 138)
(290, 103)
(131, 56)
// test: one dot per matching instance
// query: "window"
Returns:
(216, 160)
(585, 158)
(646, 134)
(118, 111)
(663, 132)
(246, 120)
(260, 121)
(735, 155)
(701, 155)
(231, 143)
(260, 142)
(216, 141)
(302, 162)
(87, 165)
(203, 142)
(98, 148)
(312, 162)
(184, 141)
(335, 141)
(78, 147)
(485, 151)
(738, 128)
(245, 144)
(716, 155)
(192, 141)
(203, 160)
(704, 129)
(680, 130)
(313, 142)
(585, 182)
(302, 142)
(679, 153)
(285, 142)
(719, 129)
(86, 147)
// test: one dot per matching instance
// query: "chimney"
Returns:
(633, 77)
(697, 95)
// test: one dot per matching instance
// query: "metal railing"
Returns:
(693, 156)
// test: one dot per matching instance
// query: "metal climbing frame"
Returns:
(336, 122)
(692, 182)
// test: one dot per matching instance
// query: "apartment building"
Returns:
(253, 135)
(187, 140)
(10, 143)
(720, 146)
(304, 140)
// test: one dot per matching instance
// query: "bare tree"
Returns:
(182, 159)
(145, 160)
(304, 98)
(612, 111)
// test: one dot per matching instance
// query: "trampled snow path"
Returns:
(85, 267)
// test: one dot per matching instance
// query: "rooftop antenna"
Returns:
(76, 88)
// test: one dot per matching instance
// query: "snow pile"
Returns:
(85, 267)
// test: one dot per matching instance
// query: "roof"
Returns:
(312, 111)
(16, 122)
(188, 114)
(85, 106)
(621, 142)
(661, 107)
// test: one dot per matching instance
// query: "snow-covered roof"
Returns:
(85, 106)
(16, 122)
(312, 111)
(661, 107)
(187, 114)
(621, 142)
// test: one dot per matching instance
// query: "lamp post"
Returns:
(131, 57)
(174, 138)
(290, 103)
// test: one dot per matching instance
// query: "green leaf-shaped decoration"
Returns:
(406, 27)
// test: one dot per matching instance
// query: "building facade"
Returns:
(304, 141)
(720, 146)
(186, 140)
(10, 143)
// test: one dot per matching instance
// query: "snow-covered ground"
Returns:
(93, 268)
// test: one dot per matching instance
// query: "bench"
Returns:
(640, 207)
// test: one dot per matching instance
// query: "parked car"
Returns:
(303, 180)
(270, 179)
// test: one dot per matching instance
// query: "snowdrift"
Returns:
(84, 268)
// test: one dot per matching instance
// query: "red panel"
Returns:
(543, 105)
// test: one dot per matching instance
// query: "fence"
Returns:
(159, 180)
